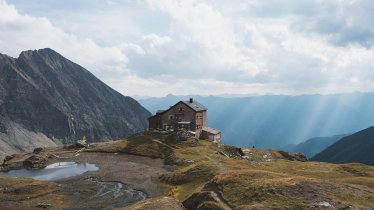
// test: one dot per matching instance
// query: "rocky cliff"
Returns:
(45, 99)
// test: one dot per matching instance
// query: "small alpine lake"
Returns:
(54, 171)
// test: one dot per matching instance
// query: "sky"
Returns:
(207, 47)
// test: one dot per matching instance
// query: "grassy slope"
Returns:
(263, 180)
(28, 193)
(357, 147)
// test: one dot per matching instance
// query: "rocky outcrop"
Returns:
(46, 100)
(209, 197)
(156, 203)
(297, 156)
(35, 162)
(231, 151)
(25, 160)
(204, 200)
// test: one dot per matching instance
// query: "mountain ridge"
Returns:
(43, 92)
(357, 147)
(313, 146)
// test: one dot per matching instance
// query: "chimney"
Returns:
(191, 100)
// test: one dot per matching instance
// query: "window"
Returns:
(197, 126)
(170, 117)
(181, 109)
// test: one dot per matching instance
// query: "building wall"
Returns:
(200, 122)
(198, 118)
(186, 115)
(214, 137)
(204, 119)
(154, 122)
(166, 121)
(217, 138)
(179, 112)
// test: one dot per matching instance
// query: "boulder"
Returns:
(35, 162)
(298, 156)
(44, 205)
(231, 151)
(81, 143)
(8, 157)
(37, 150)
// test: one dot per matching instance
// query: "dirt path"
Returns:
(222, 168)
(162, 143)
(221, 201)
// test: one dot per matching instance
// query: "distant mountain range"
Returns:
(357, 147)
(45, 99)
(273, 121)
(313, 146)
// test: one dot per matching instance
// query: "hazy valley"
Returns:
(276, 121)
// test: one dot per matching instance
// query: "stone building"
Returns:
(189, 115)
(211, 134)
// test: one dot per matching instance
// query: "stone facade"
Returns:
(211, 134)
(189, 115)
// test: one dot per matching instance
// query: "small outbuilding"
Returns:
(211, 134)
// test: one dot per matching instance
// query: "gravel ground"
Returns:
(139, 172)
(121, 180)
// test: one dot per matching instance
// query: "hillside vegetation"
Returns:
(357, 147)
(208, 176)
(205, 175)
(313, 146)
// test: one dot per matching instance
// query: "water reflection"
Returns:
(54, 171)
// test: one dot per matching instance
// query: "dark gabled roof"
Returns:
(211, 130)
(196, 106)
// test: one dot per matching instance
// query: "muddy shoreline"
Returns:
(141, 173)
(121, 180)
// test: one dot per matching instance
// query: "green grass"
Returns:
(264, 180)
(182, 192)
(20, 193)
(108, 147)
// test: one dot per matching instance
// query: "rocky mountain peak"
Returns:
(44, 93)
(45, 52)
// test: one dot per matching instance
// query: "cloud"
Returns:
(22, 32)
(154, 41)
(205, 47)
(343, 22)
(204, 43)
(282, 44)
